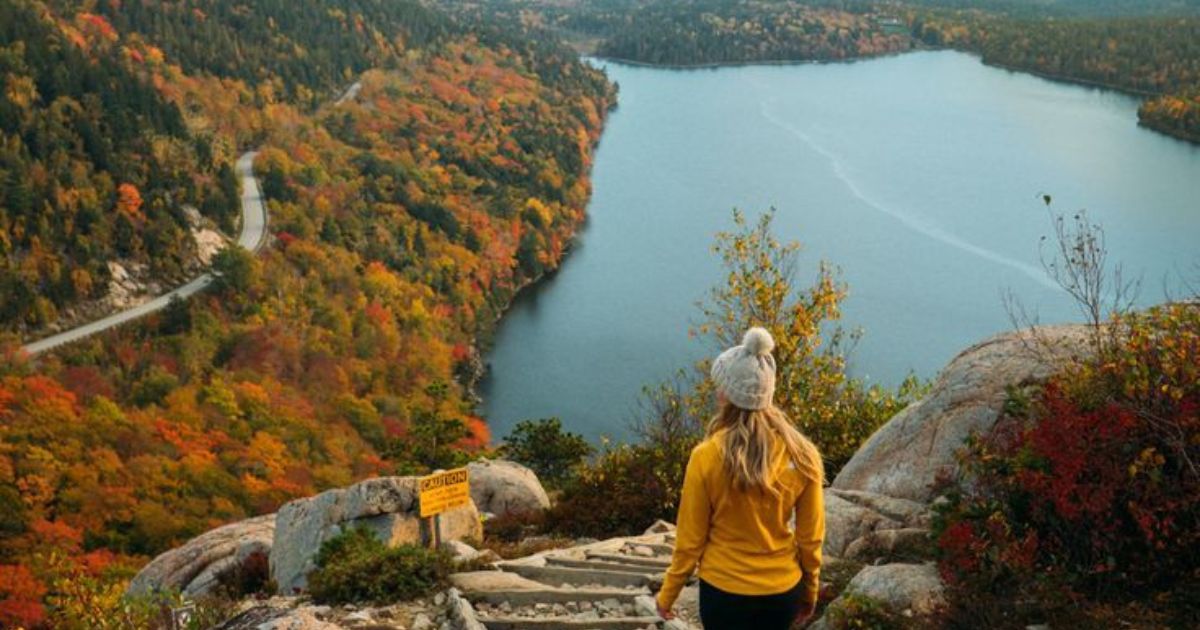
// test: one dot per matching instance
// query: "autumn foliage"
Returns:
(403, 222)
(698, 32)
(1156, 57)
(1089, 489)
(129, 200)
(1178, 114)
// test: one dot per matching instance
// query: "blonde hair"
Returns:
(747, 440)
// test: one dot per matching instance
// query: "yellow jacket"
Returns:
(742, 540)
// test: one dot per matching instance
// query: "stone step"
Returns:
(576, 563)
(659, 549)
(550, 595)
(556, 575)
(659, 563)
(602, 585)
(569, 623)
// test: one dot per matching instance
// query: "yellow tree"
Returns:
(812, 387)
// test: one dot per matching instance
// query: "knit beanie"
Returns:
(745, 374)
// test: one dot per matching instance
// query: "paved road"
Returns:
(350, 94)
(254, 232)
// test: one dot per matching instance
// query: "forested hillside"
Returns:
(699, 32)
(96, 165)
(403, 221)
(1077, 8)
(290, 51)
(105, 127)
(1158, 57)
(1148, 48)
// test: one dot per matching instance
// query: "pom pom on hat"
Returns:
(758, 341)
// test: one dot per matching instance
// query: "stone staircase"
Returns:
(607, 585)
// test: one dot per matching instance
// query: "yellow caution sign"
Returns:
(444, 491)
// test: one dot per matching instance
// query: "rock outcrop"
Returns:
(877, 510)
(385, 505)
(905, 456)
(907, 542)
(913, 590)
(125, 290)
(208, 240)
(438, 610)
(501, 487)
(194, 567)
(851, 516)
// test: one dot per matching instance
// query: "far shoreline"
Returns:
(717, 65)
(1142, 95)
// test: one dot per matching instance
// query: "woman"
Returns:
(744, 483)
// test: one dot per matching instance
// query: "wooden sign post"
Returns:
(441, 491)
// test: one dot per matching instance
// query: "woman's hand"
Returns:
(665, 613)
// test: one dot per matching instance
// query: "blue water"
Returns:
(918, 175)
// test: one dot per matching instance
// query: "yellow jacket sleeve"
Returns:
(691, 534)
(810, 535)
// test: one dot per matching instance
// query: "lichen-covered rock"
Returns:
(460, 612)
(906, 543)
(910, 513)
(914, 588)
(846, 522)
(461, 551)
(195, 566)
(852, 514)
(502, 487)
(385, 505)
(906, 455)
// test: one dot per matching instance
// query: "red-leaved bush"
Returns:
(1091, 483)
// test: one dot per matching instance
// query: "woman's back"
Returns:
(751, 514)
(751, 546)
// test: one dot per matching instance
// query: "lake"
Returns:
(918, 175)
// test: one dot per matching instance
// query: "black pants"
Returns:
(726, 611)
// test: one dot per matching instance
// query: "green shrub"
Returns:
(545, 448)
(355, 566)
(97, 602)
(624, 491)
(857, 612)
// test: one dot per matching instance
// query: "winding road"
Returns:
(253, 235)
